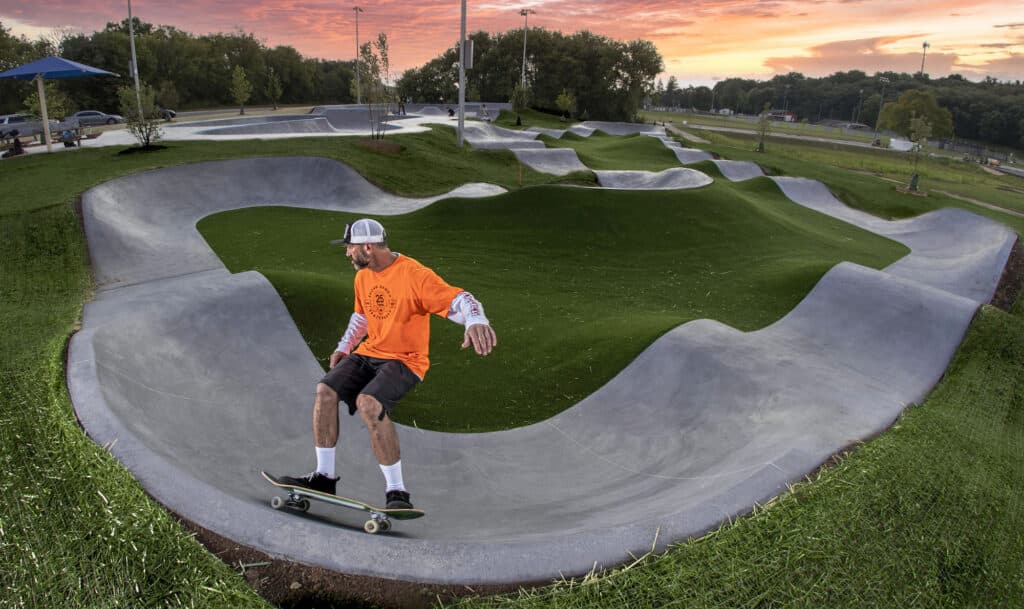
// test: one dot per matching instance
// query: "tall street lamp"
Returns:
(135, 61)
(924, 52)
(462, 74)
(359, 94)
(881, 102)
(526, 12)
(856, 111)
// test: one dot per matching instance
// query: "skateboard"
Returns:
(298, 499)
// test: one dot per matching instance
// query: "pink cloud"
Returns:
(866, 54)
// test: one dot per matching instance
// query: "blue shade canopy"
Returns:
(53, 68)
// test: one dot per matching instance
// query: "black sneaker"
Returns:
(314, 481)
(398, 500)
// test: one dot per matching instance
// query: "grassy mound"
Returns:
(576, 282)
(603, 151)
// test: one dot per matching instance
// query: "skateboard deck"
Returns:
(298, 499)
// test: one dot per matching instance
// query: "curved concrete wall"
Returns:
(203, 380)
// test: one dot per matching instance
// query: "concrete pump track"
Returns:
(198, 378)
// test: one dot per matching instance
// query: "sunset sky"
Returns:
(701, 40)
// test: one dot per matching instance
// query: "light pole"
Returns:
(359, 93)
(856, 111)
(462, 74)
(135, 61)
(924, 52)
(526, 12)
(881, 102)
(785, 101)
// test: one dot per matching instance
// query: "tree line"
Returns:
(989, 111)
(601, 77)
(607, 79)
(185, 70)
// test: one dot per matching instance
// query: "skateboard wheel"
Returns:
(385, 526)
(276, 503)
(371, 527)
(302, 505)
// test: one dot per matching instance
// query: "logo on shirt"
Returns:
(379, 303)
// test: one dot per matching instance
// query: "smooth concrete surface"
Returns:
(556, 161)
(692, 155)
(738, 171)
(202, 380)
(669, 179)
(142, 227)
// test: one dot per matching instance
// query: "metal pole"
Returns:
(525, 13)
(881, 102)
(359, 93)
(135, 61)
(462, 74)
(42, 110)
(924, 52)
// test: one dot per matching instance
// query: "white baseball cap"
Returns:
(364, 230)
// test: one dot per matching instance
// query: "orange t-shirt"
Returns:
(397, 303)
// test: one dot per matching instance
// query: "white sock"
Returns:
(325, 461)
(393, 476)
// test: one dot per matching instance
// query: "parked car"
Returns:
(166, 113)
(25, 124)
(87, 118)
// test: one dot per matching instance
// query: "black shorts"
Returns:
(387, 380)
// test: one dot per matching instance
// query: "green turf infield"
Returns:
(576, 282)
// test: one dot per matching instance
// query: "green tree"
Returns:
(57, 102)
(241, 88)
(920, 131)
(764, 126)
(167, 95)
(897, 116)
(375, 71)
(566, 103)
(273, 87)
(520, 101)
(145, 127)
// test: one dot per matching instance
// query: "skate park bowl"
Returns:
(198, 378)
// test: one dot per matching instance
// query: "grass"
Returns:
(867, 179)
(748, 123)
(75, 529)
(576, 282)
(603, 151)
(928, 515)
(532, 118)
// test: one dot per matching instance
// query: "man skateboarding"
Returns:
(394, 297)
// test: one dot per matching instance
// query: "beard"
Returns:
(360, 261)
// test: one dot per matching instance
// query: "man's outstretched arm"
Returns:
(353, 334)
(468, 311)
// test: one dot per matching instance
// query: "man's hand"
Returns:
(336, 357)
(482, 338)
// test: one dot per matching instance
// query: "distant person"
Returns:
(451, 113)
(68, 137)
(401, 106)
(16, 148)
(394, 298)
